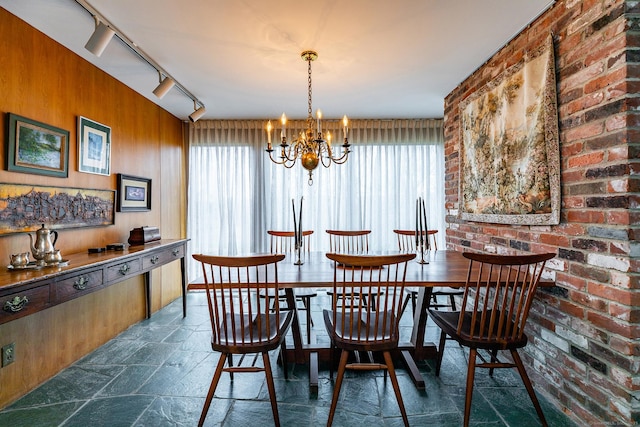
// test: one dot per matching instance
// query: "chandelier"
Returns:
(310, 146)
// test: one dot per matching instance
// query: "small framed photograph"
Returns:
(94, 147)
(134, 193)
(38, 148)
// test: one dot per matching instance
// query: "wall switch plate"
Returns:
(8, 354)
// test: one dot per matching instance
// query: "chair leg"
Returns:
(283, 358)
(471, 370)
(212, 389)
(405, 303)
(452, 299)
(443, 340)
(414, 298)
(528, 386)
(271, 387)
(494, 357)
(396, 387)
(336, 388)
(306, 301)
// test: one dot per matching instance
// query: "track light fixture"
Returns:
(165, 86)
(103, 34)
(199, 112)
(100, 38)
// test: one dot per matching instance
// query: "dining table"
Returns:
(439, 268)
(442, 268)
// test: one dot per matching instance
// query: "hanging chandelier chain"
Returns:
(310, 111)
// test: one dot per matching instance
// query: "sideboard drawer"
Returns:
(78, 285)
(123, 270)
(164, 257)
(23, 303)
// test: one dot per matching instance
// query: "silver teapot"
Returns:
(43, 244)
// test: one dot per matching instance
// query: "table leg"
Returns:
(420, 324)
(183, 272)
(295, 326)
(147, 291)
(313, 373)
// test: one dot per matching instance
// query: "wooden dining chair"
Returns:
(283, 242)
(407, 243)
(241, 322)
(354, 327)
(496, 304)
(349, 241)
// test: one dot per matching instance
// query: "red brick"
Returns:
(582, 132)
(618, 153)
(554, 239)
(618, 217)
(569, 281)
(589, 301)
(586, 216)
(623, 296)
(606, 80)
(574, 176)
(571, 229)
(615, 326)
(572, 309)
(572, 149)
(585, 159)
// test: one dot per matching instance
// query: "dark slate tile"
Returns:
(72, 384)
(183, 374)
(182, 411)
(147, 332)
(251, 413)
(345, 418)
(151, 354)
(129, 380)
(110, 412)
(113, 352)
(50, 415)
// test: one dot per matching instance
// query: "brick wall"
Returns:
(584, 334)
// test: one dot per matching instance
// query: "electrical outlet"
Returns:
(8, 354)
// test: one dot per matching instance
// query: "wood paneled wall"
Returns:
(44, 81)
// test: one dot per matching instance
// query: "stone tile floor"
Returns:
(157, 373)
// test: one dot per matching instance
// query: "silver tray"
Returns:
(33, 265)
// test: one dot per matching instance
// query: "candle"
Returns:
(329, 140)
(269, 127)
(426, 229)
(345, 122)
(300, 224)
(295, 225)
(319, 116)
(421, 225)
(283, 119)
(417, 216)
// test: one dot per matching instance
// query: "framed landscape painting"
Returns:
(94, 147)
(134, 193)
(38, 148)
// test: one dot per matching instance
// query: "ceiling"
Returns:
(241, 58)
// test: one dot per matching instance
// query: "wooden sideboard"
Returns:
(24, 292)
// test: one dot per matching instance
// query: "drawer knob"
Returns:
(81, 283)
(154, 259)
(16, 304)
(124, 269)
(175, 252)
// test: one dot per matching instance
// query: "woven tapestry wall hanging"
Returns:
(509, 151)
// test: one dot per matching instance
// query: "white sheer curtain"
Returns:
(236, 193)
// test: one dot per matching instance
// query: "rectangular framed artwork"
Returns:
(509, 150)
(134, 193)
(27, 207)
(37, 148)
(94, 147)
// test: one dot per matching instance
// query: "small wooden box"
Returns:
(142, 235)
